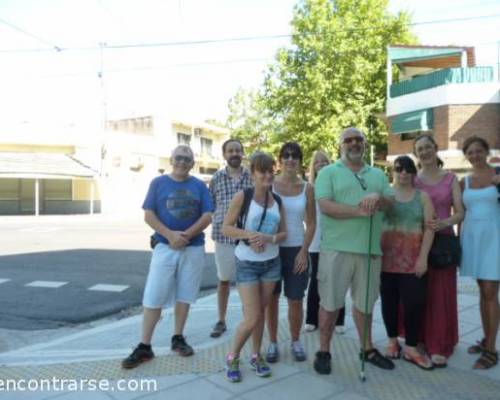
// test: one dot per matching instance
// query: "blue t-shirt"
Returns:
(178, 205)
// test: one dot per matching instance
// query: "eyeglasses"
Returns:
(361, 181)
(294, 155)
(354, 139)
(186, 159)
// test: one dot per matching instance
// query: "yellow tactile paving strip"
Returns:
(405, 382)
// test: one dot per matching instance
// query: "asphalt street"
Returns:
(65, 270)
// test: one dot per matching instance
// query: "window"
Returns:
(9, 189)
(206, 146)
(208, 171)
(183, 138)
(412, 135)
(56, 189)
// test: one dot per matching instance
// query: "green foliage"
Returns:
(332, 76)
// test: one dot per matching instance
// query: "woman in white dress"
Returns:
(480, 237)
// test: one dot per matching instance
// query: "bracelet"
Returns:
(274, 239)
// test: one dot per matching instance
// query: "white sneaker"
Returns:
(310, 328)
(340, 329)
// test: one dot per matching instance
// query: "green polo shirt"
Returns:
(338, 183)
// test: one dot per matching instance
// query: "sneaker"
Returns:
(180, 346)
(323, 363)
(233, 372)
(298, 352)
(310, 328)
(218, 329)
(138, 356)
(259, 365)
(273, 354)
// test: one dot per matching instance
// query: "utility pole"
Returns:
(104, 116)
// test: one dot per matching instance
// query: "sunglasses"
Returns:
(361, 181)
(293, 155)
(355, 139)
(186, 159)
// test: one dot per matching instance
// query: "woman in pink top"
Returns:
(440, 324)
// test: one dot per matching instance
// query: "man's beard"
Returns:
(234, 162)
(354, 156)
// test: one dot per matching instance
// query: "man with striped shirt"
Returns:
(224, 185)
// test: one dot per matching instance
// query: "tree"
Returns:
(250, 122)
(334, 74)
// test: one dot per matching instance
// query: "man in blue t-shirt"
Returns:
(178, 207)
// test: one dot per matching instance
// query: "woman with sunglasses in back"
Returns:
(319, 160)
(257, 220)
(406, 242)
(299, 206)
(440, 324)
(480, 237)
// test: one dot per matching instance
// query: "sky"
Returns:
(39, 84)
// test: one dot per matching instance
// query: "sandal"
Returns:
(487, 360)
(438, 361)
(373, 356)
(477, 348)
(393, 351)
(419, 360)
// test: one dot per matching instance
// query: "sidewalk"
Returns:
(96, 354)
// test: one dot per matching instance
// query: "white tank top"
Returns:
(269, 226)
(315, 244)
(295, 209)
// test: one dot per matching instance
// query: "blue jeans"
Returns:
(251, 272)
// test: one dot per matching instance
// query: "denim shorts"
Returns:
(295, 284)
(250, 272)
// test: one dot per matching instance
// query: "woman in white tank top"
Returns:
(258, 266)
(298, 202)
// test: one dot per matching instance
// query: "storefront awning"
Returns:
(43, 165)
(415, 121)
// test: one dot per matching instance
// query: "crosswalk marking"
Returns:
(46, 284)
(102, 287)
(3, 280)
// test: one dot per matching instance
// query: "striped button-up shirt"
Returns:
(223, 188)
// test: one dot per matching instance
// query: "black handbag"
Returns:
(445, 251)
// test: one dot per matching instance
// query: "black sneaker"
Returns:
(180, 346)
(138, 356)
(323, 363)
(219, 329)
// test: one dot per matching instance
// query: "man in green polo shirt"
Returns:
(349, 192)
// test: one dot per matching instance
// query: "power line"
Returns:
(16, 28)
(227, 40)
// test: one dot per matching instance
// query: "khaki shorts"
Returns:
(337, 271)
(225, 261)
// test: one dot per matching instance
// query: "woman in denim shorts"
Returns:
(258, 266)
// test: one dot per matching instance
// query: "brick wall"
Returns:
(453, 124)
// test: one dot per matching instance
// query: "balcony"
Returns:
(442, 77)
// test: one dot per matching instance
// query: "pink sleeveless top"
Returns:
(441, 195)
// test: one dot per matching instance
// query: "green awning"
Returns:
(415, 121)
(399, 55)
(442, 77)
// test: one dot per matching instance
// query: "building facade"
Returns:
(440, 91)
(74, 171)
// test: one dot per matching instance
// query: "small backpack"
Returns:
(247, 199)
